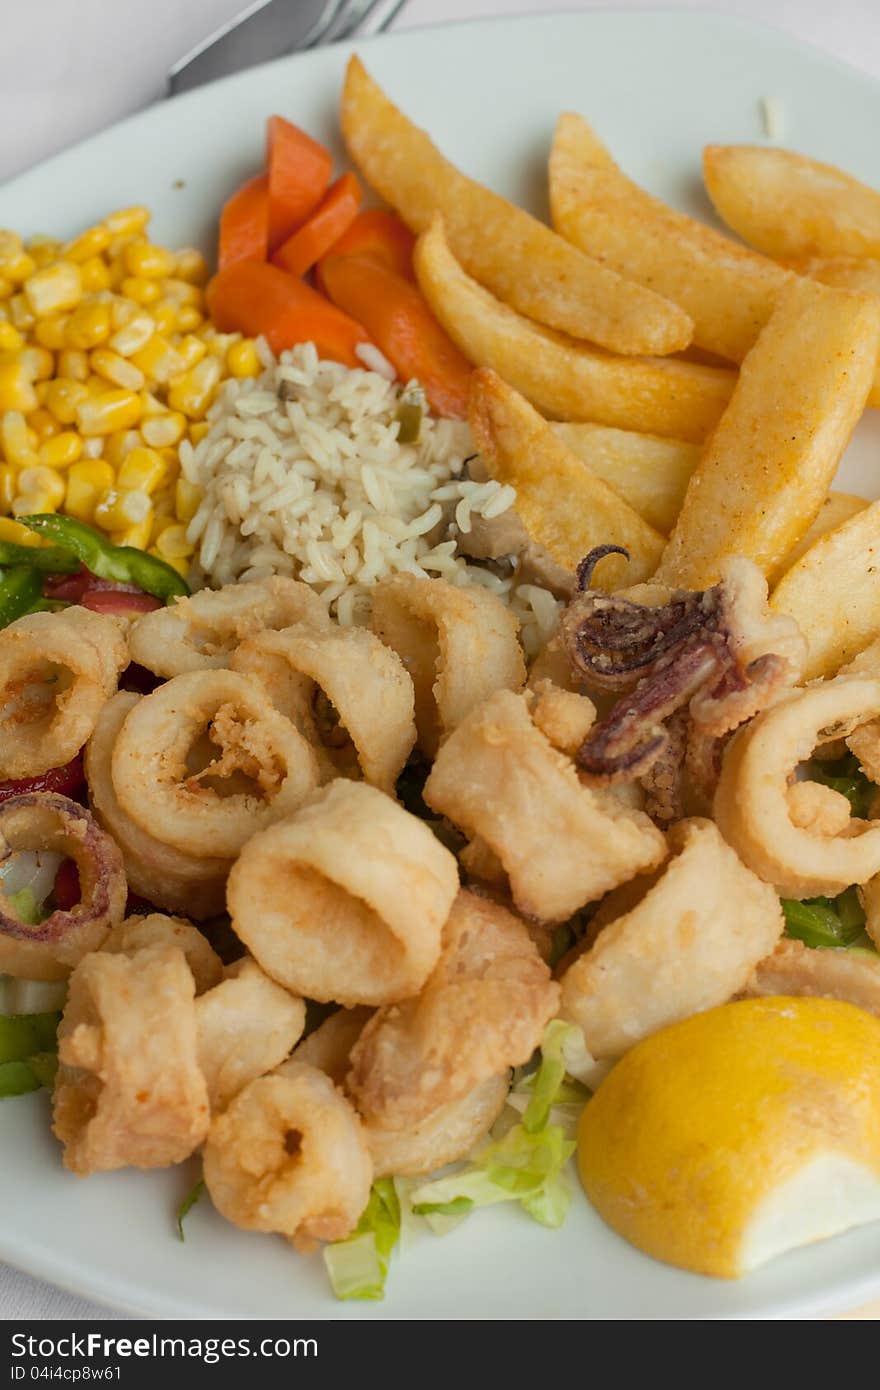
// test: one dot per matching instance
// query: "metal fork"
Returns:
(270, 28)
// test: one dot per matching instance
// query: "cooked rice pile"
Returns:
(302, 474)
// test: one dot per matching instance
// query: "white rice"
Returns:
(318, 487)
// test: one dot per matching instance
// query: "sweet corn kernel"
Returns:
(10, 242)
(10, 338)
(162, 431)
(193, 392)
(86, 484)
(218, 343)
(51, 332)
(63, 395)
(187, 497)
(61, 451)
(20, 312)
(181, 292)
(89, 325)
(165, 314)
(189, 318)
(127, 221)
(144, 258)
(17, 266)
(163, 505)
(118, 510)
(190, 265)
(143, 470)
(39, 490)
(150, 404)
(191, 350)
(133, 335)
(6, 287)
(41, 390)
(17, 440)
(53, 289)
(182, 566)
(197, 431)
(89, 243)
(117, 369)
(38, 362)
(43, 424)
(111, 411)
(43, 250)
(16, 387)
(242, 359)
(161, 522)
(172, 543)
(93, 448)
(19, 535)
(95, 385)
(73, 363)
(96, 275)
(8, 489)
(158, 361)
(142, 291)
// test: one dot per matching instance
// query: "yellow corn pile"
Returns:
(107, 362)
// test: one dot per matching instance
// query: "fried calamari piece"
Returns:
(289, 1155)
(689, 943)
(445, 1135)
(129, 1091)
(347, 692)
(329, 1047)
(346, 900)
(202, 632)
(484, 1008)
(155, 931)
(459, 645)
(796, 969)
(561, 844)
(246, 1026)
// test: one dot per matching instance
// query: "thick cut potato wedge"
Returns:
(837, 508)
(728, 291)
(515, 255)
(766, 471)
(561, 377)
(833, 593)
(648, 472)
(563, 506)
(786, 205)
(846, 273)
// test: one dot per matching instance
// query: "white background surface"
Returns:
(71, 67)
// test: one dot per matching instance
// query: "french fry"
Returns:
(728, 291)
(846, 273)
(765, 472)
(563, 378)
(833, 593)
(648, 472)
(563, 506)
(786, 205)
(512, 253)
(837, 508)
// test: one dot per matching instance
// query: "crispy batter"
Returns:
(329, 1047)
(564, 717)
(820, 809)
(246, 1026)
(447, 1134)
(796, 969)
(155, 931)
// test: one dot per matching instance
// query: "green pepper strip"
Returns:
(21, 1035)
(49, 559)
(20, 589)
(123, 564)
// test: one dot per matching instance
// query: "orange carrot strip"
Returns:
(400, 323)
(333, 216)
(244, 224)
(299, 172)
(254, 297)
(383, 237)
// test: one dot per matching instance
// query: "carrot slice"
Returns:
(244, 224)
(299, 172)
(383, 237)
(333, 215)
(400, 323)
(257, 298)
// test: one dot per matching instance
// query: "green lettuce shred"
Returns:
(826, 923)
(187, 1205)
(28, 1053)
(358, 1266)
(26, 906)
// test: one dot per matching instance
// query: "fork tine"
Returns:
(355, 13)
(320, 31)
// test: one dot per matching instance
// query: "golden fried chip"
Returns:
(837, 508)
(648, 472)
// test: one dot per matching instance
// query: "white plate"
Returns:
(658, 86)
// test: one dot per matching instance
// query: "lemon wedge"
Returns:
(743, 1132)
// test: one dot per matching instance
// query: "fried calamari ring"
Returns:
(55, 675)
(447, 1134)
(796, 969)
(246, 1026)
(155, 931)
(345, 901)
(289, 1155)
(562, 844)
(50, 949)
(752, 801)
(345, 690)
(459, 645)
(201, 632)
(159, 872)
(691, 942)
(483, 1009)
(329, 1047)
(129, 1092)
(265, 765)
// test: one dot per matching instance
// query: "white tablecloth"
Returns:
(71, 67)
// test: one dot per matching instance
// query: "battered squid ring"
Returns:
(689, 942)
(50, 949)
(55, 675)
(201, 632)
(447, 1134)
(329, 1046)
(129, 1092)
(155, 931)
(246, 1026)
(483, 1010)
(752, 808)
(289, 1155)
(459, 645)
(562, 844)
(364, 681)
(155, 787)
(160, 872)
(346, 900)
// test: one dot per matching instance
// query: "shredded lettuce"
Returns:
(187, 1205)
(26, 906)
(358, 1266)
(826, 923)
(28, 1054)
